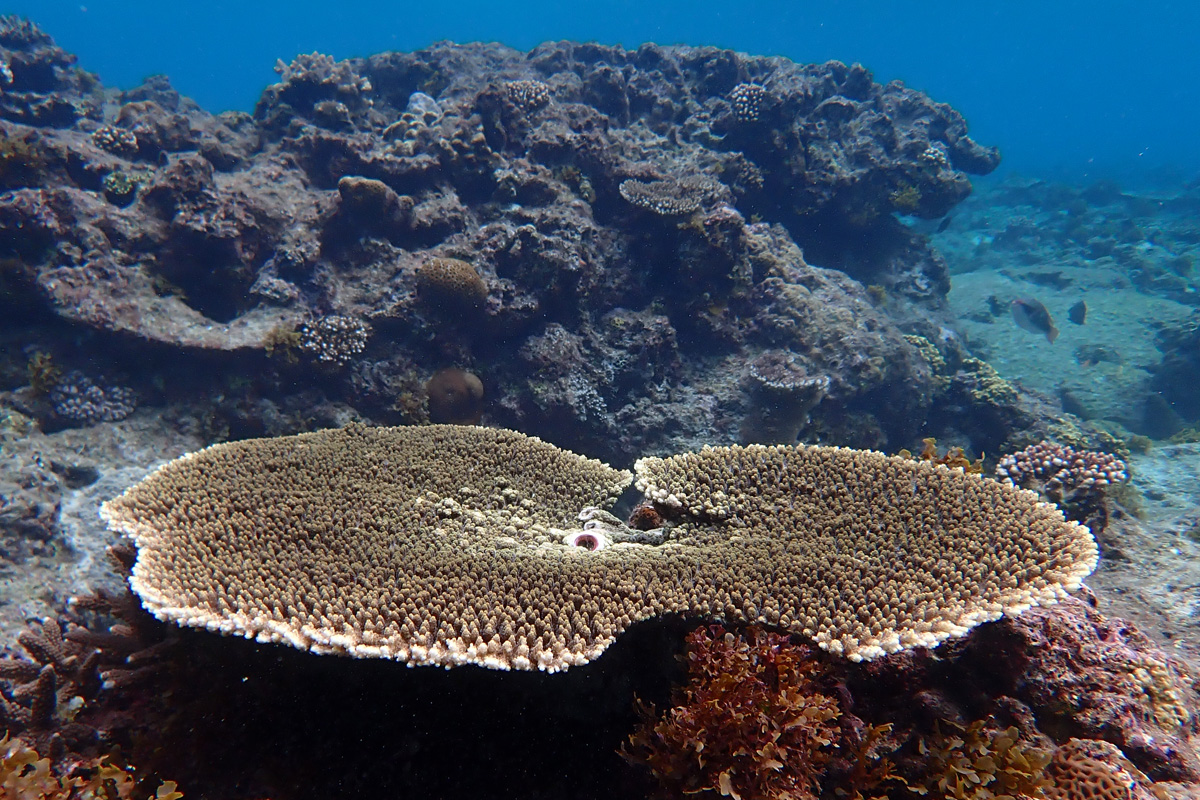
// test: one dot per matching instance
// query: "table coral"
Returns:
(455, 537)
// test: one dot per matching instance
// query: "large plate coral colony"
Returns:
(580, 380)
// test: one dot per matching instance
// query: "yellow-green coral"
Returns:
(932, 356)
(989, 387)
(284, 342)
(43, 373)
(21, 160)
(1162, 687)
(954, 457)
(906, 199)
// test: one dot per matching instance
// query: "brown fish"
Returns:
(1032, 316)
(1078, 313)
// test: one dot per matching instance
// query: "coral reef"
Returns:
(637, 252)
(761, 715)
(1078, 481)
(806, 559)
(621, 212)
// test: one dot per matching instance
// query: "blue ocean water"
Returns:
(1070, 89)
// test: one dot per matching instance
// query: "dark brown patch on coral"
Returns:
(455, 397)
(646, 518)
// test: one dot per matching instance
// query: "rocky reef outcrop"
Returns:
(643, 226)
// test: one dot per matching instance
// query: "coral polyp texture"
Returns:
(864, 553)
(334, 339)
(528, 95)
(1061, 473)
(451, 545)
(77, 398)
(451, 284)
(667, 197)
(746, 100)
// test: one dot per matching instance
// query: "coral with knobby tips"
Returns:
(864, 554)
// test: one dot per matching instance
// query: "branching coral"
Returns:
(334, 338)
(747, 100)
(1062, 474)
(527, 95)
(78, 398)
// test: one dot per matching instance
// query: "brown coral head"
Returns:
(455, 397)
(646, 518)
(366, 195)
(451, 285)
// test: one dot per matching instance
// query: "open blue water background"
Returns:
(1064, 88)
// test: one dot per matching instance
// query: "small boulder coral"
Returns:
(455, 397)
(451, 285)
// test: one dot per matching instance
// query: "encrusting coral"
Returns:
(668, 197)
(453, 545)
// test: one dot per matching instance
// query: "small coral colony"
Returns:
(351, 300)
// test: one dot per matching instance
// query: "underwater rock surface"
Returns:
(641, 224)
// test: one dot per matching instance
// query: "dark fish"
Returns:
(1078, 313)
(945, 223)
(1032, 316)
